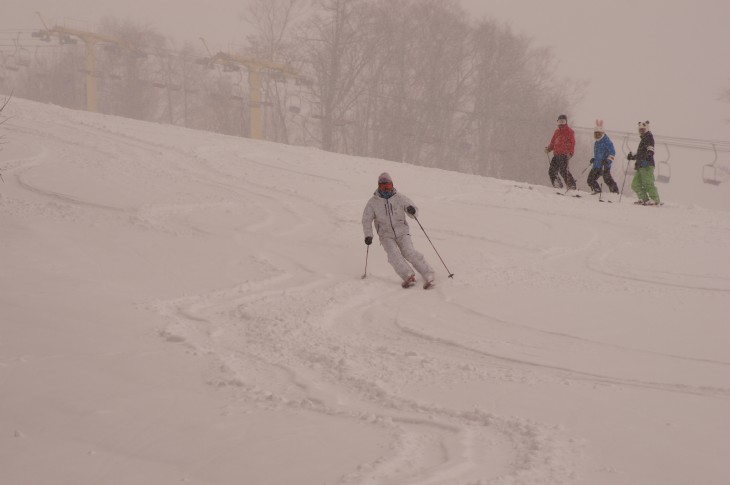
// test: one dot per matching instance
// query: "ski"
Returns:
(608, 198)
(569, 195)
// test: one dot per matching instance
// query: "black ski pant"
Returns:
(605, 172)
(559, 165)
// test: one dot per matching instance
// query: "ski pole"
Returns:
(451, 275)
(367, 252)
(584, 170)
(626, 174)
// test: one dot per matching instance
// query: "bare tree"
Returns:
(273, 22)
(190, 80)
(515, 100)
(334, 45)
(56, 75)
(3, 119)
(413, 80)
(4, 105)
(412, 92)
(437, 59)
(725, 96)
(129, 69)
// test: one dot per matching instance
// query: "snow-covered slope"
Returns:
(182, 307)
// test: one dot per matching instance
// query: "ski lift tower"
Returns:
(255, 68)
(90, 39)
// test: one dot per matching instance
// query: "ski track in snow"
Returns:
(303, 334)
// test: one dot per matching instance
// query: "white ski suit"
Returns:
(391, 225)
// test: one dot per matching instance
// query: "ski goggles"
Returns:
(387, 186)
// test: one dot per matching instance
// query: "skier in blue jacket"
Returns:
(603, 155)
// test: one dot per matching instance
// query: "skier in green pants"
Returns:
(643, 182)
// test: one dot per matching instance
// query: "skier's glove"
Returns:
(369, 240)
(547, 150)
(591, 162)
(411, 210)
(631, 156)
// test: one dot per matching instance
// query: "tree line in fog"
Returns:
(416, 81)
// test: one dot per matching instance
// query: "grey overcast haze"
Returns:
(189, 293)
(664, 61)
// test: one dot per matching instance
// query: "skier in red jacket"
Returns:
(563, 146)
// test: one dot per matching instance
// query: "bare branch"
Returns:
(5, 103)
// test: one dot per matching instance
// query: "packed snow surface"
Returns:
(183, 307)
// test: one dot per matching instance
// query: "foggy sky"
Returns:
(661, 60)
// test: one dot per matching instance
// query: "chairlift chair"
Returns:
(664, 172)
(277, 76)
(295, 103)
(11, 66)
(709, 171)
(709, 175)
(160, 80)
(663, 169)
(42, 35)
(66, 39)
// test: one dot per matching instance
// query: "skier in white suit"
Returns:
(388, 209)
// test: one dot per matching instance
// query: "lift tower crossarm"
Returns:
(90, 39)
(86, 37)
(253, 64)
(254, 67)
